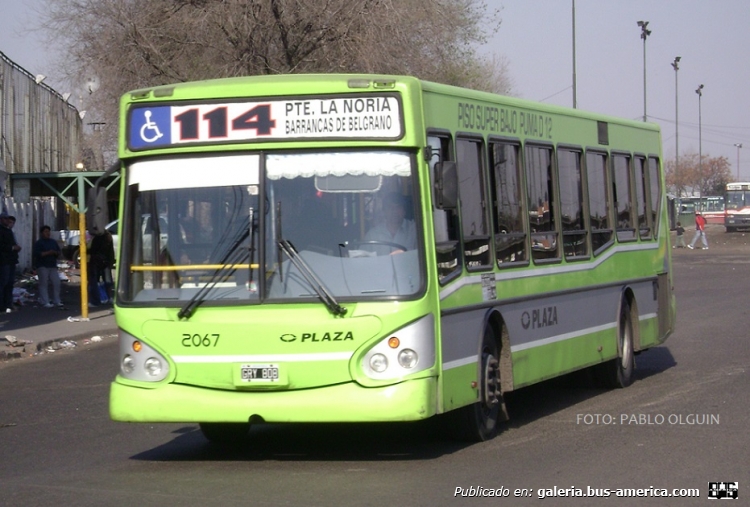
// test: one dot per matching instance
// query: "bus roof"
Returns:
(289, 84)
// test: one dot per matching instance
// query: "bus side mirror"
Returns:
(446, 185)
(97, 214)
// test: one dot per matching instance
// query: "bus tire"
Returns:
(225, 433)
(478, 422)
(619, 372)
(76, 258)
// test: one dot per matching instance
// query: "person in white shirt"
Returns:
(396, 231)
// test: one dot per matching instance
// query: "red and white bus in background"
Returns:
(737, 206)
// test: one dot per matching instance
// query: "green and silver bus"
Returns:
(353, 248)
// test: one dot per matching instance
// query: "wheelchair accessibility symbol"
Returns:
(150, 131)
(150, 127)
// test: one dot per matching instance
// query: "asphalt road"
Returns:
(682, 424)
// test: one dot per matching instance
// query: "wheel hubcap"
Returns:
(491, 380)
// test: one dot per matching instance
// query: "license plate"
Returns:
(259, 373)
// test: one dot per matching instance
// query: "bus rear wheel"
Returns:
(225, 433)
(619, 372)
(478, 422)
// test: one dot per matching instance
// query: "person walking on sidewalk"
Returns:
(45, 254)
(8, 260)
(700, 231)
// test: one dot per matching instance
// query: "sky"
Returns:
(712, 37)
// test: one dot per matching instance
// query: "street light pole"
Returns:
(738, 145)
(699, 91)
(676, 66)
(575, 100)
(644, 33)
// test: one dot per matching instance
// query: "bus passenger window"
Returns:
(641, 195)
(655, 192)
(599, 205)
(445, 221)
(622, 195)
(540, 196)
(575, 242)
(507, 204)
(473, 204)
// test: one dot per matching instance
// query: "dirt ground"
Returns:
(718, 240)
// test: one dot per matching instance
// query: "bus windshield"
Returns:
(735, 199)
(346, 221)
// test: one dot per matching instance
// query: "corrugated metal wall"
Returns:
(40, 132)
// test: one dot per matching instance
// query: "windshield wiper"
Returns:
(231, 258)
(317, 285)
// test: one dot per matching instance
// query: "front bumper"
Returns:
(407, 401)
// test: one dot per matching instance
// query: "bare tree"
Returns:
(707, 178)
(131, 44)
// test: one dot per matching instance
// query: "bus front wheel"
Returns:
(478, 422)
(225, 433)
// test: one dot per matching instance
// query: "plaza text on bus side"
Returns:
(356, 248)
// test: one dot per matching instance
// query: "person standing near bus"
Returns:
(680, 243)
(8, 260)
(101, 263)
(700, 231)
(45, 254)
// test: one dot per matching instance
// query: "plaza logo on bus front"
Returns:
(335, 336)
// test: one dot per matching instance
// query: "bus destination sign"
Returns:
(370, 117)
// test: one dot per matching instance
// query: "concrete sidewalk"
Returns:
(36, 330)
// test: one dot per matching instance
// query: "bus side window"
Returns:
(641, 198)
(575, 242)
(445, 221)
(655, 192)
(540, 198)
(622, 194)
(599, 204)
(507, 204)
(473, 203)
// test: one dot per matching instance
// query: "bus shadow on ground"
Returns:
(546, 398)
(422, 440)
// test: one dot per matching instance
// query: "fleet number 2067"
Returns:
(197, 340)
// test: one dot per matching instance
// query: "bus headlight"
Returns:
(138, 361)
(128, 364)
(407, 358)
(402, 352)
(152, 366)
(378, 362)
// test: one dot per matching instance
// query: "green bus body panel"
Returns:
(408, 401)
(548, 361)
(324, 390)
(457, 387)
(262, 335)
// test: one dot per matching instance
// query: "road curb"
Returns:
(80, 336)
(43, 345)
